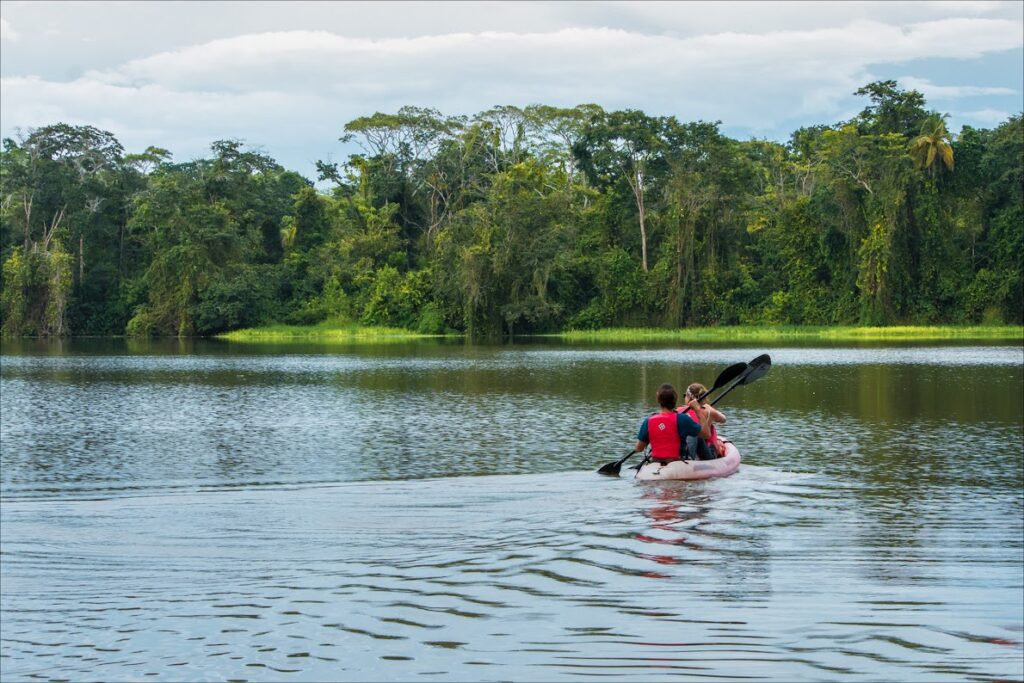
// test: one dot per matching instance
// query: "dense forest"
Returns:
(522, 220)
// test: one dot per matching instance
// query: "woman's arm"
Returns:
(704, 419)
(716, 415)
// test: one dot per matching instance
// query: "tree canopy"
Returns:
(522, 220)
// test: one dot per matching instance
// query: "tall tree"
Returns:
(933, 148)
(500, 258)
(892, 109)
(625, 145)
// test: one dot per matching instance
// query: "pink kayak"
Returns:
(693, 469)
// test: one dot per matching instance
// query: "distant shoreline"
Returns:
(786, 332)
(351, 332)
(328, 331)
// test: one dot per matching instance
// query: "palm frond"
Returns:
(947, 155)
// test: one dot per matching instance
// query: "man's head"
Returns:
(667, 396)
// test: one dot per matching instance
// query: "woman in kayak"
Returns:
(699, 447)
(667, 430)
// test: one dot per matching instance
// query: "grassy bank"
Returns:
(325, 331)
(348, 332)
(781, 333)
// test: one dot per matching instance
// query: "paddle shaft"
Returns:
(618, 463)
(723, 394)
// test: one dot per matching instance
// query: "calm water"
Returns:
(430, 511)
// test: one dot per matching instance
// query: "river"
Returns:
(430, 510)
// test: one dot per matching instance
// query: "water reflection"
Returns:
(664, 516)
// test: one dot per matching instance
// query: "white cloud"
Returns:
(984, 117)
(979, 7)
(297, 53)
(7, 32)
(469, 71)
(757, 16)
(295, 90)
(947, 92)
(298, 129)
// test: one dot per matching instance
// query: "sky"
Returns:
(285, 77)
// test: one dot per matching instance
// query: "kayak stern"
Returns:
(693, 469)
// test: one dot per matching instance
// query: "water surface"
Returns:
(219, 511)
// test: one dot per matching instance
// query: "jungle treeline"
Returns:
(522, 220)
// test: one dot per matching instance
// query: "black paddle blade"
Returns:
(728, 375)
(754, 370)
(758, 368)
(612, 468)
(724, 377)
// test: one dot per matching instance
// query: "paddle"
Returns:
(755, 370)
(729, 374)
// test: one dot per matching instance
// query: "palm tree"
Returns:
(933, 146)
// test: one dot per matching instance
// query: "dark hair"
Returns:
(667, 396)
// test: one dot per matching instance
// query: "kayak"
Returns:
(693, 469)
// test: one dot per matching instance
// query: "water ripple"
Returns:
(652, 582)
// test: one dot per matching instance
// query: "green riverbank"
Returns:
(348, 332)
(325, 331)
(779, 333)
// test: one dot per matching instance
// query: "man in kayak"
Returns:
(667, 430)
(696, 447)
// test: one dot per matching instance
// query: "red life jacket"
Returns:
(664, 436)
(712, 439)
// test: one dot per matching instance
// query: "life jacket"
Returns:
(664, 436)
(712, 439)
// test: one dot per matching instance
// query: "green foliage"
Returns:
(499, 259)
(931, 150)
(395, 299)
(522, 221)
(308, 223)
(874, 266)
(18, 278)
(191, 239)
(892, 110)
(335, 302)
(242, 297)
(58, 289)
(37, 290)
(143, 323)
(985, 298)
(621, 287)
(431, 319)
